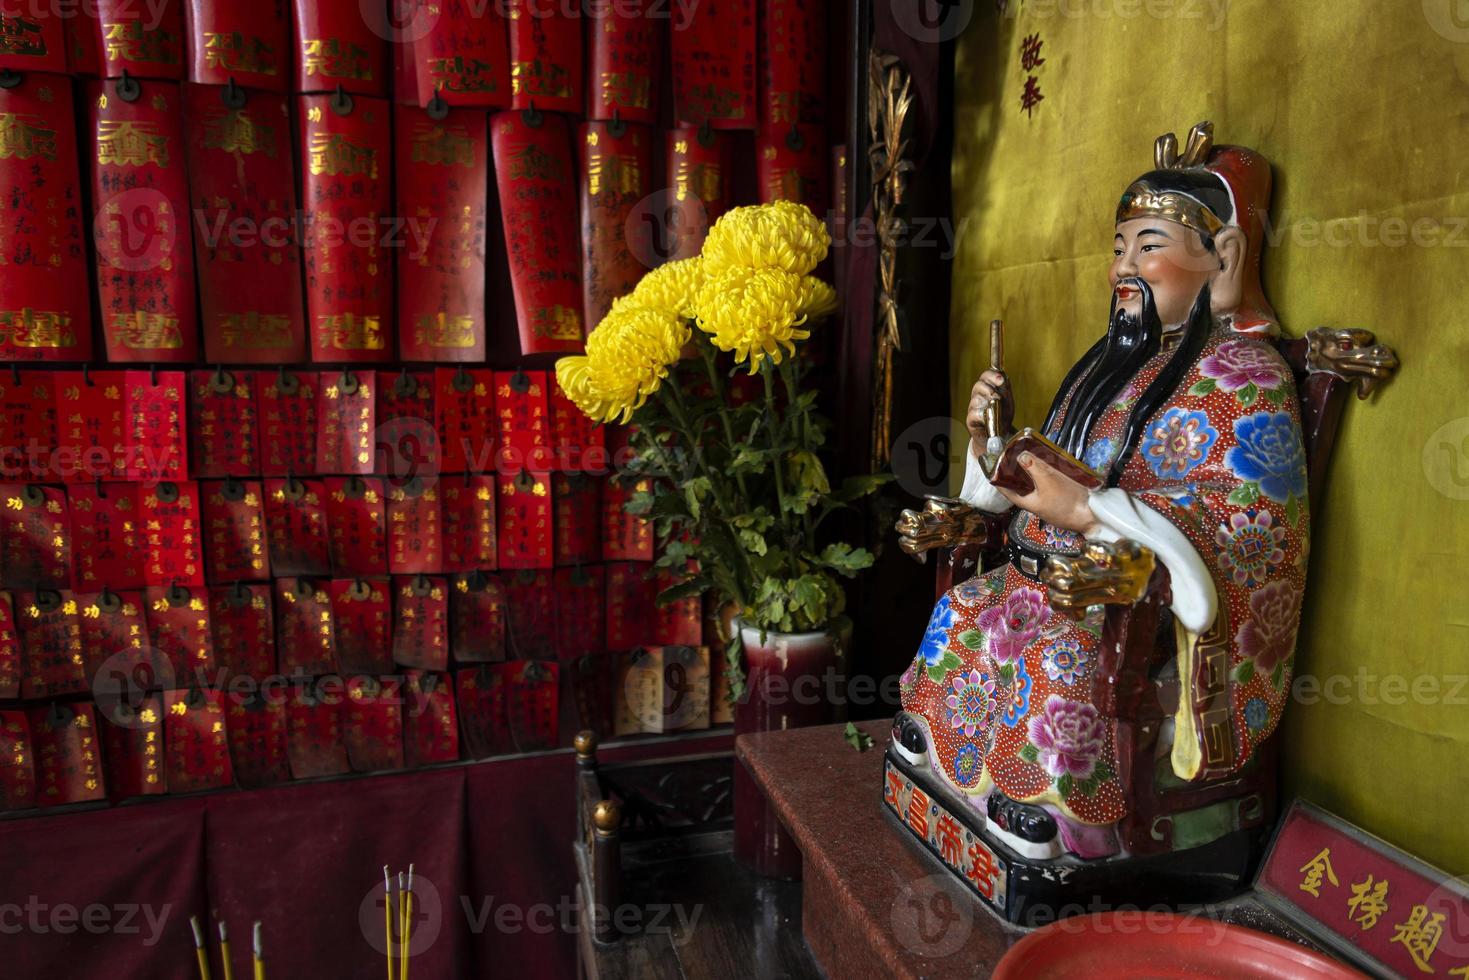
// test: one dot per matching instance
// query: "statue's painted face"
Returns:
(1169, 257)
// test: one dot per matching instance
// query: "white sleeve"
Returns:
(1195, 601)
(977, 491)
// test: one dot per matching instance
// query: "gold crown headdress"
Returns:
(1144, 198)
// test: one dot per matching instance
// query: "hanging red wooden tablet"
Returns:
(314, 733)
(17, 762)
(465, 420)
(524, 536)
(246, 42)
(592, 681)
(35, 537)
(576, 441)
(33, 39)
(224, 437)
(578, 519)
(196, 744)
(235, 531)
(532, 704)
(469, 522)
(441, 168)
(45, 305)
(345, 419)
(243, 620)
(146, 41)
(545, 56)
(356, 520)
(699, 175)
(630, 605)
(91, 427)
(524, 432)
(81, 33)
(256, 726)
(617, 245)
(178, 627)
(346, 189)
(460, 52)
(625, 537)
(242, 183)
(483, 720)
(430, 723)
(415, 528)
(372, 724)
(794, 165)
(477, 611)
(626, 54)
(421, 621)
(340, 42)
(407, 395)
(536, 178)
(28, 429)
(107, 536)
(68, 763)
(114, 635)
(713, 61)
(581, 594)
(287, 404)
(158, 442)
(305, 630)
(133, 745)
(406, 441)
(10, 651)
(295, 515)
(531, 605)
(140, 223)
(679, 623)
(792, 62)
(362, 609)
(171, 529)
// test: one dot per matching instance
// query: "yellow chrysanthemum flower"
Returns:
(782, 235)
(628, 356)
(761, 313)
(671, 287)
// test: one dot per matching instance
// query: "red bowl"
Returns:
(1141, 945)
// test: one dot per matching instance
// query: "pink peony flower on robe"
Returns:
(1070, 736)
(1012, 626)
(1269, 635)
(1236, 364)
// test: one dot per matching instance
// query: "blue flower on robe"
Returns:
(1177, 442)
(1269, 455)
(1099, 455)
(1256, 714)
(967, 764)
(1019, 696)
(936, 638)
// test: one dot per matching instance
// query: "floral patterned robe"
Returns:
(1004, 681)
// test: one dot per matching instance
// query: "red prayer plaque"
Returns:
(91, 427)
(699, 175)
(305, 630)
(581, 595)
(50, 630)
(140, 223)
(243, 620)
(630, 605)
(477, 612)
(33, 39)
(469, 522)
(247, 42)
(28, 426)
(524, 433)
(224, 434)
(363, 612)
(45, 305)
(483, 719)
(421, 621)
(68, 765)
(591, 682)
(35, 537)
(345, 420)
(430, 721)
(531, 601)
(242, 182)
(626, 54)
(465, 421)
(146, 41)
(372, 724)
(617, 244)
(625, 537)
(578, 520)
(532, 704)
(171, 532)
(792, 62)
(577, 442)
(545, 56)
(235, 531)
(347, 191)
(714, 65)
(295, 513)
(256, 726)
(114, 637)
(314, 733)
(679, 623)
(133, 740)
(197, 746)
(10, 651)
(441, 172)
(17, 762)
(536, 177)
(178, 626)
(794, 164)
(525, 539)
(460, 53)
(340, 43)
(407, 395)
(356, 520)
(80, 32)
(107, 536)
(287, 403)
(415, 528)
(157, 438)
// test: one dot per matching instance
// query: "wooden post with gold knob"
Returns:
(606, 844)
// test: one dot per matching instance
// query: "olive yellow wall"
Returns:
(1363, 108)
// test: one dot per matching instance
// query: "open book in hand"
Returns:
(1004, 470)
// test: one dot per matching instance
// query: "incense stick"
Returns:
(224, 951)
(407, 924)
(200, 953)
(388, 919)
(402, 927)
(258, 947)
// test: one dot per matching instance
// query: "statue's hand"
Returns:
(1057, 499)
(942, 523)
(991, 385)
(1116, 574)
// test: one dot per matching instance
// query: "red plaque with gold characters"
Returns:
(578, 522)
(530, 598)
(242, 183)
(372, 724)
(144, 40)
(171, 531)
(465, 421)
(224, 432)
(347, 192)
(248, 43)
(91, 431)
(469, 525)
(477, 617)
(256, 726)
(714, 65)
(295, 516)
(346, 417)
(305, 629)
(679, 623)
(617, 244)
(623, 79)
(340, 43)
(68, 762)
(133, 742)
(794, 165)
(363, 611)
(35, 537)
(314, 742)
(461, 53)
(415, 527)
(578, 443)
(287, 404)
(545, 56)
(792, 62)
(482, 692)
(236, 533)
(441, 170)
(28, 423)
(421, 621)
(580, 611)
(243, 619)
(698, 175)
(536, 177)
(45, 305)
(17, 762)
(631, 605)
(196, 744)
(178, 628)
(356, 520)
(107, 535)
(430, 723)
(140, 200)
(114, 635)
(10, 652)
(49, 624)
(523, 409)
(157, 437)
(524, 508)
(625, 537)
(532, 704)
(32, 38)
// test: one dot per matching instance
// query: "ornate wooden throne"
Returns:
(1184, 842)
